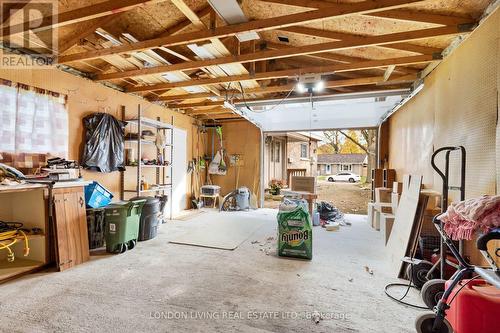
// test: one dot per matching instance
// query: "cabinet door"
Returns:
(77, 219)
(63, 256)
(71, 229)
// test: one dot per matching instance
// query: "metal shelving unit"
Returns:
(162, 171)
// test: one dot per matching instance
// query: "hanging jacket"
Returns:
(104, 143)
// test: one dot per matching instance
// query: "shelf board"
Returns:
(150, 123)
(18, 267)
(162, 188)
(31, 236)
(149, 166)
(147, 142)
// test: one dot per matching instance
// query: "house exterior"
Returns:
(289, 154)
(329, 164)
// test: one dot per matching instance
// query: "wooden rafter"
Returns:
(291, 52)
(258, 25)
(336, 83)
(336, 57)
(289, 73)
(79, 34)
(196, 105)
(175, 98)
(77, 15)
(398, 14)
(352, 37)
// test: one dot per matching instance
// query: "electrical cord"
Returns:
(10, 232)
(408, 287)
(271, 109)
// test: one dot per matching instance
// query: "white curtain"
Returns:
(32, 122)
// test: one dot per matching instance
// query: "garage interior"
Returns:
(113, 110)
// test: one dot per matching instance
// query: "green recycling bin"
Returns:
(122, 225)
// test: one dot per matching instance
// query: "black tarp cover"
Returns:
(104, 143)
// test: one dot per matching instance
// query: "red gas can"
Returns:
(475, 309)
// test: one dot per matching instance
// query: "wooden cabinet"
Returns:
(70, 222)
(28, 207)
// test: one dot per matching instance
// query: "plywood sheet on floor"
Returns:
(220, 230)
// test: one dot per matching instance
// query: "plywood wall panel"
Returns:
(240, 137)
(458, 106)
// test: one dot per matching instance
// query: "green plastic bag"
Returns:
(294, 232)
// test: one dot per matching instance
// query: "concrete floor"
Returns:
(245, 290)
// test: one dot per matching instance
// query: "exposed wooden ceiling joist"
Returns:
(291, 52)
(336, 83)
(258, 25)
(289, 73)
(351, 37)
(77, 15)
(196, 105)
(398, 14)
(80, 34)
(174, 98)
(211, 111)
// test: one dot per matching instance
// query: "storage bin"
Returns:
(97, 196)
(150, 216)
(122, 225)
(95, 227)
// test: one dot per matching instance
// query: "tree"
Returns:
(333, 139)
(325, 149)
(353, 145)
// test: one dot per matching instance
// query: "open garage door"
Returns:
(319, 113)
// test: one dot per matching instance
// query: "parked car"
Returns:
(345, 177)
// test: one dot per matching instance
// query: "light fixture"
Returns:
(301, 88)
(310, 83)
(319, 86)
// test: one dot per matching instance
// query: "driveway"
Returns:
(348, 197)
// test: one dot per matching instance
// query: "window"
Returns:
(271, 147)
(304, 150)
(328, 168)
(277, 151)
(346, 167)
(33, 122)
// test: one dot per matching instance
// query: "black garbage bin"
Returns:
(95, 227)
(148, 226)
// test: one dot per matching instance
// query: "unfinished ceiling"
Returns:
(183, 53)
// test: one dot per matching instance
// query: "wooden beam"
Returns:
(335, 84)
(80, 34)
(289, 73)
(388, 72)
(220, 116)
(196, 105)
(258, 25)
(289, 52)
(336, 57)
(76, 15)
(211, 111)
(175, 98)
(398, 14)
(184, 23)
(419, 16)
(353, 38)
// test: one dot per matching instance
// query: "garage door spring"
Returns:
(10, 234)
